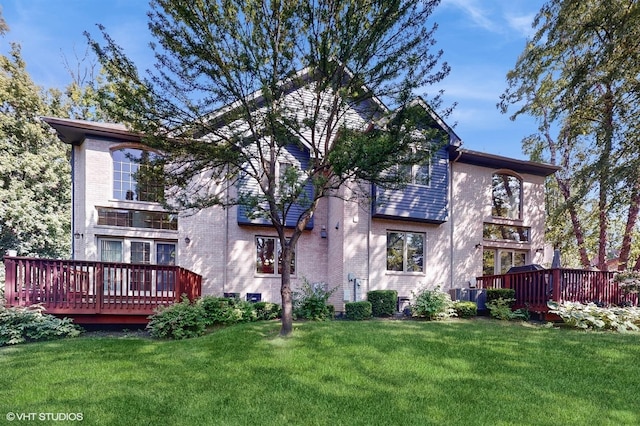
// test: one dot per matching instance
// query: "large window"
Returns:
(499, 261)
(405, 251)
(137, 176)
(137, 218)
(269, 256)
(497, 232)
(507, 196)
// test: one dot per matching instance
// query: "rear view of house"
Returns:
(462, 215)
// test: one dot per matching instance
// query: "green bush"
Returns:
(432, 304)
(465, 309)
(30, 323)
(501, 293)
(227, 310)
(267, 311)
(383, 302)
(502, 309)
(310, 302)
(358, 311)
(178, 321)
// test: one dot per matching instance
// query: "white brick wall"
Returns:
(224, 253)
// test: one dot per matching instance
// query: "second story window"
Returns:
(136, 177)
(507, 196)
(418, 174)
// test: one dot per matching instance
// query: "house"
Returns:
(476, 214)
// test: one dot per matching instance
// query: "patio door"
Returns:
(112, 251)
(499, 261)
(140, 277)
(165, 255)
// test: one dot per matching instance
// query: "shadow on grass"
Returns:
(373, 372)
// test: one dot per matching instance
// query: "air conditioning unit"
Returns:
(254, 297)
(477, 295)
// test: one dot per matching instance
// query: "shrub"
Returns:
(383, 302)
(502, 309)
(501, 293)
(432, 304)
(181, 320)
(358, 311)
(465, 309)
(30, 323)
(267, 311)
(227, 310)
(310, 302)
(594, 317)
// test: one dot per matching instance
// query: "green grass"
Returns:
(353, 373)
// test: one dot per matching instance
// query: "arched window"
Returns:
(137, 176)
(507, 196)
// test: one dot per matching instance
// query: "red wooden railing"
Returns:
(73, 287)
(535, 288)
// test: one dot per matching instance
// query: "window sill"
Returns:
(404, 274)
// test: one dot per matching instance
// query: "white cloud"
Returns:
(521, 23)
(479, 16)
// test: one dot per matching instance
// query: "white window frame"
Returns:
(276, 262)
(405, 250)
(126, 243)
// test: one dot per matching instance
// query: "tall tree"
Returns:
(34, 168)
(238, 82)
(579, 77)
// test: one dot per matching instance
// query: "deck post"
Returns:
(507, 281)
(9, 280)
(555, 293)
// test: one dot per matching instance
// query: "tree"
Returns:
(578, 77)
(238, 83)
(34, 168)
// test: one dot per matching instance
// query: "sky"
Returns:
(481, 40)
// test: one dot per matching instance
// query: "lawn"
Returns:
(479, 372)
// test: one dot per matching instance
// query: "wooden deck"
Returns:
(535, 288)
(97, 292)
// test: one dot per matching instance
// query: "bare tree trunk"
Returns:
(575, 222)
(632, 218)
(287, 298)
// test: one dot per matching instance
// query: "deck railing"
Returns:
(79, 287)
(535, 288)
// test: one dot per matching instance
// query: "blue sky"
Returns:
(481, 40)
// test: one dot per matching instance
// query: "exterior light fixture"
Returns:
(187, 240)
(323, 232)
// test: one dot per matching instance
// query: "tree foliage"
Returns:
(578, 77)
(35, 184)
(238, 83)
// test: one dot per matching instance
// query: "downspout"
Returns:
(369, 217)
(451, 218)
(73, 204)
(225, 273)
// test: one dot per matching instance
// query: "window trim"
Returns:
(276, 264)
(405, 270)
(521, 195)
(413, 172)
(525, 229)
(135, 147)
(159, 216)
(497, 260)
